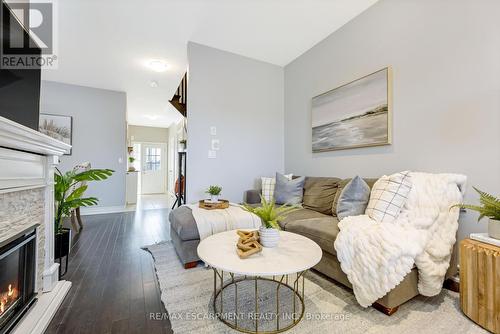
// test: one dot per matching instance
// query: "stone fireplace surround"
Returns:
(27, 160)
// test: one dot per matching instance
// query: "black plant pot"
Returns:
(63, 243)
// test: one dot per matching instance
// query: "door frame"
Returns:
(164, 163)
(172, 166)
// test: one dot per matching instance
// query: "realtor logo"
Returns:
(28, 35)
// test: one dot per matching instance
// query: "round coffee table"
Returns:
(290, 260)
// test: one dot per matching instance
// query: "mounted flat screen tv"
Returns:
(19, 88)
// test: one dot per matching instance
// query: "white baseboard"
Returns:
(98, 210)
(39, 315)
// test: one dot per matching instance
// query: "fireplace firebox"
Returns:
(17, 278)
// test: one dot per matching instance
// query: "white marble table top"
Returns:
(293, 254)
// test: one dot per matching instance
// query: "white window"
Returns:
(153, 159)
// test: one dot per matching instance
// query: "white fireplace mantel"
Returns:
(19, 137)
(28, 159)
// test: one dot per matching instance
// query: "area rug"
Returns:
(330, 308)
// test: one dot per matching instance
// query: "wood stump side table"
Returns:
(480, 283)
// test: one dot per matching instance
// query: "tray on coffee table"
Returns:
(222, 204)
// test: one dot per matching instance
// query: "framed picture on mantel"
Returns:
(357, 114)
(58, 127)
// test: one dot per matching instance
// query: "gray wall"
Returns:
(147, 134)
(99, 126)
(446, 61)
(243, 98)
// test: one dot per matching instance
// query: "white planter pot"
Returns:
(214, 198)
(494, 228)
(269, 237)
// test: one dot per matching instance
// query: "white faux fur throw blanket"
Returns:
(377, 256)
(214, 221)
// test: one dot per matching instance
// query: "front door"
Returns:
(153, 169)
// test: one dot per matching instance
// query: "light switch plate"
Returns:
(215, 144)
(212, 154)
(213, 130)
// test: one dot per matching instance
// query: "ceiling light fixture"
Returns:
(157, 65)
(151, 117)
(153, 84)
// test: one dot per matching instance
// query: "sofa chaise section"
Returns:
(184, 235)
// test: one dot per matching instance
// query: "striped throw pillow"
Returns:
(268, 184)
(388, 196)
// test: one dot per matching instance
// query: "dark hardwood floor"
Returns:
(114, 285)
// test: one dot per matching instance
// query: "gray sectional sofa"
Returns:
(316, 220)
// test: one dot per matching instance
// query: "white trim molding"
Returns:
(99, 210)
(51, 269)
(20, 137)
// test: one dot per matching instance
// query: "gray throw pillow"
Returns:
(289, 191)
(353, 199)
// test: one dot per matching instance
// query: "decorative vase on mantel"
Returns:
(494, 228)
(269, 237)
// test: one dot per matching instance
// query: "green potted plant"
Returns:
(490, 207)
(214, 192)
(131, 167)
(270, 216)
(68, 196)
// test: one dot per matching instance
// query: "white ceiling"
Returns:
(104, 43)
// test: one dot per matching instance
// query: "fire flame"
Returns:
(7, 298)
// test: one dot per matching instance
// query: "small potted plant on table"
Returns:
(270, 216)
(490, 207)
(131, 167)
(214, 192)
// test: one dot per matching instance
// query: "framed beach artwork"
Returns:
(357, 114)
(57, 126)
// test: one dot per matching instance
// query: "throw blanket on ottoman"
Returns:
(214, 221)
(377, 256)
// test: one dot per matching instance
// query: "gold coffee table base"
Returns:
(282, 282)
